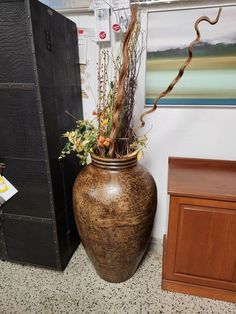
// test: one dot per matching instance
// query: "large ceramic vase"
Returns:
(114, 204)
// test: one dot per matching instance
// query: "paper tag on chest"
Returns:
(7, 190)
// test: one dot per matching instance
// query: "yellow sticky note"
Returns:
(3, 185)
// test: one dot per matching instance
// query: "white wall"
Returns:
(84, 20)
(186, 132)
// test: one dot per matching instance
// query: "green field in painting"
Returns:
(203, 63)
(206, 77)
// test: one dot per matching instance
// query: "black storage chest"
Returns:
(39, 81)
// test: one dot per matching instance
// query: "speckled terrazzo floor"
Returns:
(25, 289)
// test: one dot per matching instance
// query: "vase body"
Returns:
(114, 204)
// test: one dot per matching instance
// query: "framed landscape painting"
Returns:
(210, 79)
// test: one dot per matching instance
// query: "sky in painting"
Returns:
(175, 29)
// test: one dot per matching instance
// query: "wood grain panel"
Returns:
(201, 291)
(200, 250)
(203, 178)
(189, 288)
(206, 245)
(201, 247)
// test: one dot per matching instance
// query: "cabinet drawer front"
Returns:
(201, 246)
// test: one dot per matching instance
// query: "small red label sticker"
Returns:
(116, 27)
(102, 35)
(80, 31)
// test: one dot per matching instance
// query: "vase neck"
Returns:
(114, 163)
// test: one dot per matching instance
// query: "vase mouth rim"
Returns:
(114, 163)
(126, 158)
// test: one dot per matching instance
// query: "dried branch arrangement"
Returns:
(112, 134)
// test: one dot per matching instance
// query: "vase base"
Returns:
(117, 279)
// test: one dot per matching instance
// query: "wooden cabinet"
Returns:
(200, 247)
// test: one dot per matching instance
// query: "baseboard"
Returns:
(156, 245)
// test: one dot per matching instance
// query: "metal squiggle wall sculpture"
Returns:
(183, 67)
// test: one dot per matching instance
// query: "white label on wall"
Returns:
(101, 4)
(121, 20)
(7, 190)
(82, 41)
(103, 24)
(120, 4)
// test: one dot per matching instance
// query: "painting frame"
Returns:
(176, 6)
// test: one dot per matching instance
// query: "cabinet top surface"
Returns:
(203, 178)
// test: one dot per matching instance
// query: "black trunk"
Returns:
(39, 81)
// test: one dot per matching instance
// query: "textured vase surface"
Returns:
(114, 204)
